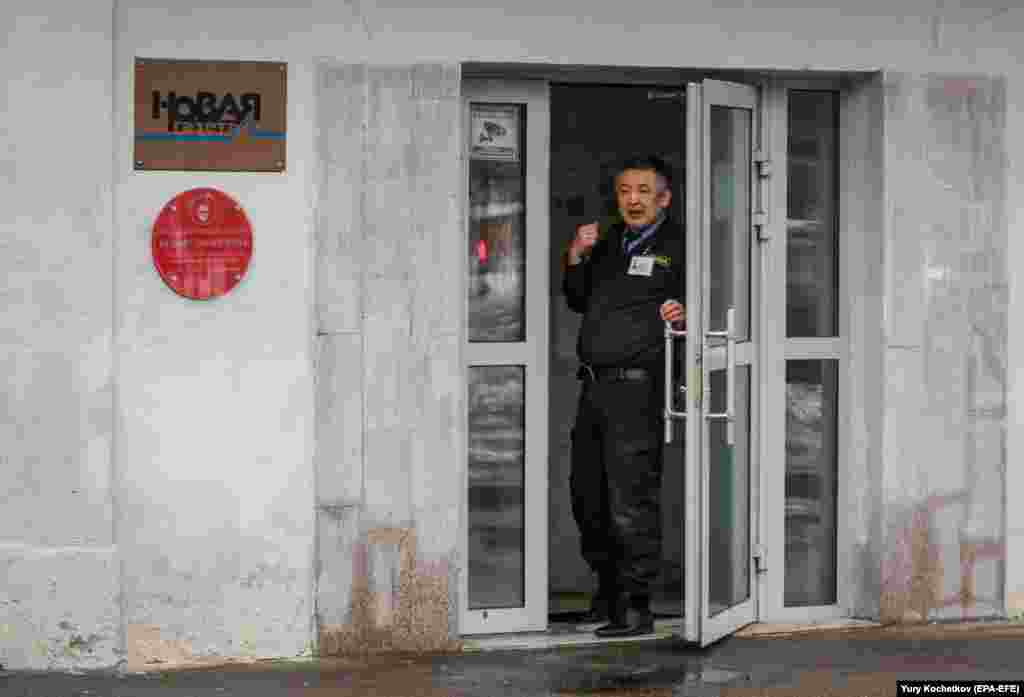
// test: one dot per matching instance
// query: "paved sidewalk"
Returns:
(861, 661)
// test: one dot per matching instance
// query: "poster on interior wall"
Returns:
(494, 130)
(202, 243)
(213, 116)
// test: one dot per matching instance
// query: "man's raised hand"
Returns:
(586, 238)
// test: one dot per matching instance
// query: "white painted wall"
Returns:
(58, 582)
(207, 438)
(215, 399)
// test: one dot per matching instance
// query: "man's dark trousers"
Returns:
(615, 481)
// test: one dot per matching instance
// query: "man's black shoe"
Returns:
(635, 623)
(604, 598)
(630, 616)
(598, 611)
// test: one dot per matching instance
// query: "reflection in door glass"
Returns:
(496, 479)
(730, 217)
(729, 497)
(811, 467)
(812, 250)
(497, 225)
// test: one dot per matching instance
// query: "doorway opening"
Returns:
(594, 127)
(541, 157)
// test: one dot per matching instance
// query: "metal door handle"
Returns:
(730, 375)
(670, 412)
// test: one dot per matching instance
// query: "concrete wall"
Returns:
(58, 562)
(164, 449)
(390, 307)
(925, 483)
(215, 416)
(945, 283)
(862, 243)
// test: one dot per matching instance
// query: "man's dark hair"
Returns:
(647, 162)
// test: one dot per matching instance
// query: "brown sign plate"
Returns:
(210, 115)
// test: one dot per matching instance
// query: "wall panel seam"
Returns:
(54, 550)
(115, 364)
(363, 73)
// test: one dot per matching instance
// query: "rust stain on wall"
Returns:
(148, 650)
(414, 617)
(1015, 603)
(912, 586)
(972, 552)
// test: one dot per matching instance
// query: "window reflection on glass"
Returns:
(811, 467)
(812, 266)
(729, 497)
(730, 217)
(497, 225)
(496, 478)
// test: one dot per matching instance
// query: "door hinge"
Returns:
(760, 220)
(760, 560)
(764, 165)
(760, 226)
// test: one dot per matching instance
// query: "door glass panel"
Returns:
(497, 223)
(811, 476)
(730, 217)
(496, 487)
(812, 257)
(729, 496)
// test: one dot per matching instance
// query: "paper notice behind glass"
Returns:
(494, 132)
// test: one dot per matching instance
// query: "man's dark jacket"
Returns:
(621, 325)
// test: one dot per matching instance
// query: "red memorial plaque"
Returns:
(202, 243)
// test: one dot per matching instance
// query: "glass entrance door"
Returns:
(721, 362)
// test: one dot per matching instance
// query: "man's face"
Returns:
(638, 196)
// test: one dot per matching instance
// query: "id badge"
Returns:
(641, 266)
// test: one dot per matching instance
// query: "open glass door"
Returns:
(505, 129)
(721, 365)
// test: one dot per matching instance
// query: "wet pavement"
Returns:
(860, 661)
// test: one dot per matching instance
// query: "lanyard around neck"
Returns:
(630, 246)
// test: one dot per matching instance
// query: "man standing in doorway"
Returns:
(624, 283)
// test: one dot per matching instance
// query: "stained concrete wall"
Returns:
(862, 243)
(190, 439)
(945, 277)
(391, 425)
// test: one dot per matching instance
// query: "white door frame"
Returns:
(532, 353)
(776, 349)
(702, 358)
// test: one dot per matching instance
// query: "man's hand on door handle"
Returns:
(673, 311)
